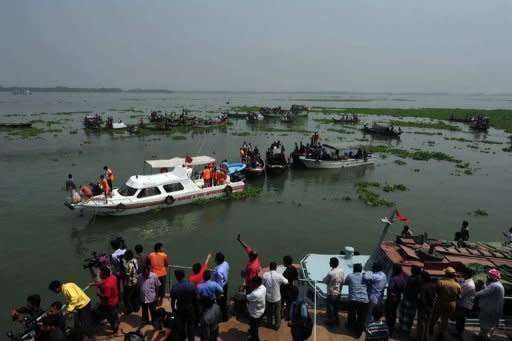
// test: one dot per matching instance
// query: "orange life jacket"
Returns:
(110, 174)
(207, 174)
(104, 185)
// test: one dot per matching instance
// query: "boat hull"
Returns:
(121, 207)
(276, 169)
(330, 164)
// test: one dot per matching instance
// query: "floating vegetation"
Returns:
(459, 139)
(248, 192)
(421, 155)
(507, 149)
(400, 162)
(365, 184)
(416, 170)
(431, 143)
(179, 137)
(131, 109)
(393, 188)
(14, 115)
(472, 146)
(328, 111)
(37, 121)
(371, 198)
(491, 142)
(246, 108)
(437, 125)
(480, 212)
(346, 198)
(66, 113)
(25, 133)
(322, 120)
(340, 131)
(73, 132)
(295, 130)
(242, 133)
(426, 133)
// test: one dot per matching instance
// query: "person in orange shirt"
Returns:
(109, 175)
(216, 176)
(105, 187)
(206, 176)
(158, 261)
(222, 177)
(198, 270)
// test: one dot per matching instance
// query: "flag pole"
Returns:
(376, 252)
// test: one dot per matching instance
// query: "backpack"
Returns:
(306, 324)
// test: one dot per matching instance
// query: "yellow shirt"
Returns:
(448, 291)
(76, 298)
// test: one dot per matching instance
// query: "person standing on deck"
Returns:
(252, 268)
(272, 280)
(292, 275)
(376, 282)
(491, 299)
(256, 307)
(105, 188)
(158, 261)
(465, 303)
(448, 292)
(334, 280)
(209, 288)
(221, 276)
(409, 303)
(357, 300)
(406, 232)
(79, 302)
(109, 175)
(70, 184)
(198, 270)
(426, 298)
(396, 289)
(183, 300)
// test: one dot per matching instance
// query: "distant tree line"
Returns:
(68, 89)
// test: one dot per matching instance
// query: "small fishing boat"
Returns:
(256, 169)
(376, 129)
(329, 157)
(346, 119)
(298, 108)
(93, 122)
(16, 125)
(254, 116)
(209, 123)
(133, 129)
(236, 114)
(236, 167)
(287, 118)
(142, 193)
(480, 123)
(276, 161)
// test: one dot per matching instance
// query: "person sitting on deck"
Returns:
(253, 266)
(70, 184)
(463, 235)
(32, 309)
(406, 232)
(359, 154)
(109, 174)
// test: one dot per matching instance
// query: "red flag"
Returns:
(400, 217)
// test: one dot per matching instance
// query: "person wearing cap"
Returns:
(448, 292)
(491, 299)
(252, 268)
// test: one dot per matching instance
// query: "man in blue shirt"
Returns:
(376, 282)
(183, 299)
(357, 300)
(221, 276)
(209, 289)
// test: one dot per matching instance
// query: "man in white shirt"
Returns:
(272, 281)
(334, 280)
(256, 307)
(465, 302)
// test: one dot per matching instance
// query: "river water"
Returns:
(298, 213)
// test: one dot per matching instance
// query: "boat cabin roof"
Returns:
(144, 181)
(180, 161)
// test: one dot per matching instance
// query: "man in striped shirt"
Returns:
(377, 330)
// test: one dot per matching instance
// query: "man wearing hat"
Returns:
(448, 291)
(491, 304)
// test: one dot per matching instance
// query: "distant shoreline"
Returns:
(68, 89)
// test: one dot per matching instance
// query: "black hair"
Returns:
(406, 227)
(273, 266)
(54, 285)
(179, 274)
(34, 300)
(196, 267)
(115, 243)
(334, 262)
(207, 275)
(468, 273)
(105, 167)
(128, 255)
(257, 281)
(160, 313)
(158, 247)
(377, 312)
(219, 257)
(57, 305)
(287, 260)
(465, 223)
(377, 266)
(253, 255)
(415, 270)
(397, 269)
(358, 267)
(70, 176)
(139, 248)
(105, 271)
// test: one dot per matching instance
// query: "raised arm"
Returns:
(207, 260)
(244, 245)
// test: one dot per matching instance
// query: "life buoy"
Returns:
(169, 200)
(120, 207)
(228, 190)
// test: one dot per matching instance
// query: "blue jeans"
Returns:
(332, 308)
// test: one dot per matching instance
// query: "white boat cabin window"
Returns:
(148, 192)
(127, 191)
(173, 187)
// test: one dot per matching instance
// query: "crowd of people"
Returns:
(250, 156)
(104, 186)
(213, 175)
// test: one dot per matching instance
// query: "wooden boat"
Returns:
(16, 125)
(254, 116)
(287, 118)
(255, 171)
(276, 161)
(298, 108)
(93, 122)
(320, 158)
(236, 114)
(382, 131)
(222, 121)
(480, 123)
(346, 119)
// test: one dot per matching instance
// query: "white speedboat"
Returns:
(143, 193)
(335, 159)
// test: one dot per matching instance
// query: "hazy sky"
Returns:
(341, 45)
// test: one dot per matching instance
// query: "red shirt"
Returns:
(252, 270)
(198, 278)
(110, 292)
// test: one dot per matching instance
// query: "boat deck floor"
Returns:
(237, 329)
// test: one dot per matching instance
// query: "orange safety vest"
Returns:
(216, 176)
(110, 174)
(206, 174)
(104, 185)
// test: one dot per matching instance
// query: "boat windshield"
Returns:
(127, 191)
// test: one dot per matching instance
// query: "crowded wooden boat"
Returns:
(276, 161)
(377, 129)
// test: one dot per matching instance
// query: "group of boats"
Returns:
(285, 116)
